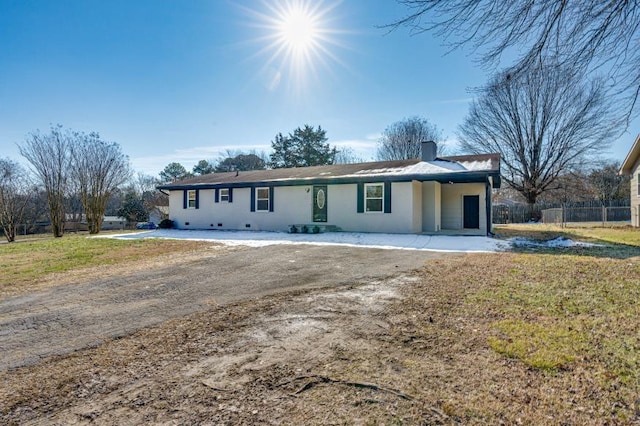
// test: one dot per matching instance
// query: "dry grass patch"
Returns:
(35, 264)
(505, 338)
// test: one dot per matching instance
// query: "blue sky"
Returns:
(186, 80)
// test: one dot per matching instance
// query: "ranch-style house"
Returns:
(448, 195)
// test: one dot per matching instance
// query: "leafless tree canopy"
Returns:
(99, 167)
(50, 158)
(402, 139)
(542, 123)
(584, 34)
(14, 194)
(71, 163)
(347, 155)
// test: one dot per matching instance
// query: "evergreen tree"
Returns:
(304, 147)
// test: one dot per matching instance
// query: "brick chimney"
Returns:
(429, 150)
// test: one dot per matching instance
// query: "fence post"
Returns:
(604, 215)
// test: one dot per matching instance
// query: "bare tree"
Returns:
(99, 167)
(50, 158)
(402, 139)
(542, 123)
(607, 184)
(14, 195)
(347, 155)
(583, 34)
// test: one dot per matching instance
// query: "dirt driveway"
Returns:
(69, 317)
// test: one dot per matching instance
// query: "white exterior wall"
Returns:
(635, 195)
(342, 210)
(293, 205)
(431, 206)
(415, 207)
(452, 206)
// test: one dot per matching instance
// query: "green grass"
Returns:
(614, 242)
(563, 307)
(27, 262)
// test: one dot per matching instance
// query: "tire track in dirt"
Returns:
(67, 318)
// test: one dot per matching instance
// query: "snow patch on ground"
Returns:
(441, 243)
(560, 242)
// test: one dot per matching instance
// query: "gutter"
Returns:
(456, 177)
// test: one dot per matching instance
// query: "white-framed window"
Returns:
(191, 199)
(224, 195)
(373, 197)
(262, 199)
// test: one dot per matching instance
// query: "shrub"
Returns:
(166, 224)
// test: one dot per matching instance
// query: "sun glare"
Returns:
(298, 38)
(297, 30)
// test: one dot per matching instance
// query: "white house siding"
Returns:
(431, 207)
(417, 206)
(342, 210)
(635, 195)
(293, 205)
(452, 206)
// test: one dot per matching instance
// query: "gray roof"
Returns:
(464, 168)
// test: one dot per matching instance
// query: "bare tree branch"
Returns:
(50, 158)
(99, 167)
(542, 123)
(587, 35)
(14, 195)
(402, 139)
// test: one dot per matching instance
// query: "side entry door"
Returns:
(471, 211)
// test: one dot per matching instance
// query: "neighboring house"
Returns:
(75, 223)
(450, 195)
(110, 223)
(631, 167)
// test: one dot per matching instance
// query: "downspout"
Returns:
(488, 207)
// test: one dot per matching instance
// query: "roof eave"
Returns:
(632, 158)
(453, 177)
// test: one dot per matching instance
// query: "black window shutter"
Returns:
(231, 195)
(387, 197)
(216, 197)
(197, 198)
(360, 195)
(184, 199)
(271, 191)
(253, 199)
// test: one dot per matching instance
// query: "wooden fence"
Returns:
(590, 211)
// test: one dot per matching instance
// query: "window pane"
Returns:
(374, 191)
(263, 193)
(374, 205)
(263, 205)
(224, 194)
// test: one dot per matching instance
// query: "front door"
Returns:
(471, 211)
(320, 203)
